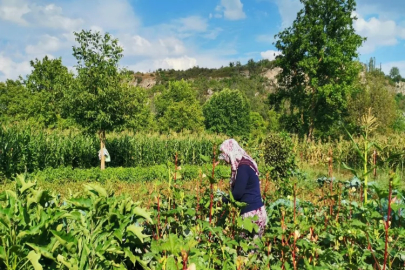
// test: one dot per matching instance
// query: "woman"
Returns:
(245, 184)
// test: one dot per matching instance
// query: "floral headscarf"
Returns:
(233, 154)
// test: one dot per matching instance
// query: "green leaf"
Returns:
(205, 158)
(26, 186)
(2, 253)
(137, 231)
(356, 147)
(357, 223)
(142, 213)
(41, 250)
(247, 224)
(212, 180)
(33, 257)
(350, 169)
(96, 189)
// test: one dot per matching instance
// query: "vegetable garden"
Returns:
(181, 223)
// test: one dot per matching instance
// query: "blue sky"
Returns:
(179, 33)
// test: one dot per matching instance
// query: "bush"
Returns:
(137, 174)
(279, 154)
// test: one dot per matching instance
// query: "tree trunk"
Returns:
(312, 115)
(102, 146)
(311, 129)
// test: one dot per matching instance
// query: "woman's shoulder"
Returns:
(245, 168)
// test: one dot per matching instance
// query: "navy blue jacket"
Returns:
(247, 189)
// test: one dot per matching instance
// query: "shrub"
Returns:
(138, 174)
(279, 154)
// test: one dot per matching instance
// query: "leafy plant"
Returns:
(278, 154)
(98, 231)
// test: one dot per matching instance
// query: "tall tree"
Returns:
(317, 61)
(374, 93)
(96, 102)
(395, 75)
(47, 83)
(177, 108)
(228, 112)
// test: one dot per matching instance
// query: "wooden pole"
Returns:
(102, 146)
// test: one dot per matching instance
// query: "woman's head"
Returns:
(234, 155)
(231, 152)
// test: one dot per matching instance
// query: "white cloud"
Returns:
(231, 9)
(35, 28)
(13, 11)
(265, 38)
(180, 63)
(51, 16)
(140, 46)
(11, 70)
(30, 14)
(193, 23)
(386, 10)
(378, 32)
(270, 54)
(288, 10)
(117, 15)
(45, 45)
(213, 34)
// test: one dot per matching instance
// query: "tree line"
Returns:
(320, 89)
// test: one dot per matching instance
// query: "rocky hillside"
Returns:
(148, 80)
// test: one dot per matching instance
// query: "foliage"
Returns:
(317, 61)
(374, 93)
(234, 69)
(97, 231)
(14, 105)
(278, 154)
(177, 108)
(131, 175)
(228, 112)
(100, 231)
(47, 84)
(257, 125)
(95, 102)
(395, 75)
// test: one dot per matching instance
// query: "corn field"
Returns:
(389, 150)
(28, 150)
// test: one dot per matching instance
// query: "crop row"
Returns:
(28, 150)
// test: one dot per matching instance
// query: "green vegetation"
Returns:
(177, 108)
(228, 112)
(312, 124)
(28, 150)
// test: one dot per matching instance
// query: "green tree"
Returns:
(177, 108)
(137, 110)
(14, 102)
(317, 61)
(257, 124)
(228, 112)
(374, 93)
(395, 75)
(47, 83)
(96, 102)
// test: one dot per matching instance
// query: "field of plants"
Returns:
(175, 218)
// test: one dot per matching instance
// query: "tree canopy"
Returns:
(318, 54)
(228, 112)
